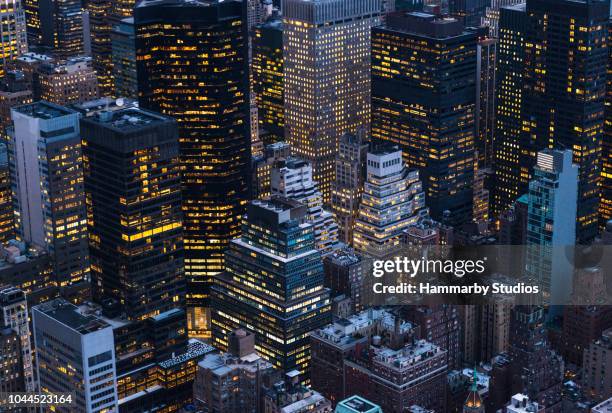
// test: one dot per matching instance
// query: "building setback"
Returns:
(284, 299)
(132, 182)
(211, 105)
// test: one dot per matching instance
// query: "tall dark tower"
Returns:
(132, 184)
(192, 66)
(424, 99)
(561, 101)
(61, 26)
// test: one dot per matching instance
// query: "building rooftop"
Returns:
(195, 349)
(604, 407)
(306, 404)
(68, 314)
(425, 24)
(127, 119)
(344, 257)
(44, 110)
(408, 356)
(356, 404)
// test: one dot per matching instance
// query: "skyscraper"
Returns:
(132, 182)
(563, 85)
(326, 49)
(605, 202)
(268, 83)
(14, 41)
(14, 315)
(284, 299)
(181, 39)
(47, 174)
(7, 215)
(392, 200)
(101, 27)
(509, 147)
(61, 26)
(550, 223)
(34, 34)
(492, 15)
(123, 45)
(292, 178)
(64, 337)
(424, 99)
(348, 185)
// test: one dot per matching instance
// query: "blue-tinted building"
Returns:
(273, 285)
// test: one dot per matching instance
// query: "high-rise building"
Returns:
(345, 271)
(69, 82)
(14, 40)
(492, 13)
(268, 83)
(12, 378)
(47, 174)
(262, 168)
(597, 367)
(347, 187)
(64, 337)
(61, 26)
(424, 99)
(470, 12)
(486, 52)
(392, 200)
(285, 299)
(29, 268)
(211, 104)
(14, 315)
(7, 215)
(101, 27)
(33, 31)
(15, 90)
(123, 45)
(545, 114)
(133, 189)
(551, 226)
(508, 145)
(605, 202)
(293, 178)
(326, 52)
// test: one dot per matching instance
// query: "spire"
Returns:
(473, 403)
(475, 380)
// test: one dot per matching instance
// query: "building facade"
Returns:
(211, 106)
(326, 56)
(132, 184)
(426, 104)
(285, 299)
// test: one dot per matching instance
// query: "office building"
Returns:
(392, 200)
(356, 404)
(47, 174)
(123, 45)
(283, 301)
(14, 40)
(66, 83)
(15, 90)
(546, 100)
(64, 337)
(268, 83)
(211, 106)
(233, 382)
(326, 56)
(7, 216)
(293, 178)
(33, 32)
(11, 365)
(61, 26)
(28, 268)
(14, 315)
(605, 201)
(344, 275)
(484, 123)
(347, 187)
(386, 378)
(262, 168)
(132, 184)
(597, 367)
(551, 225)
(492, 15)
(427, 104)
